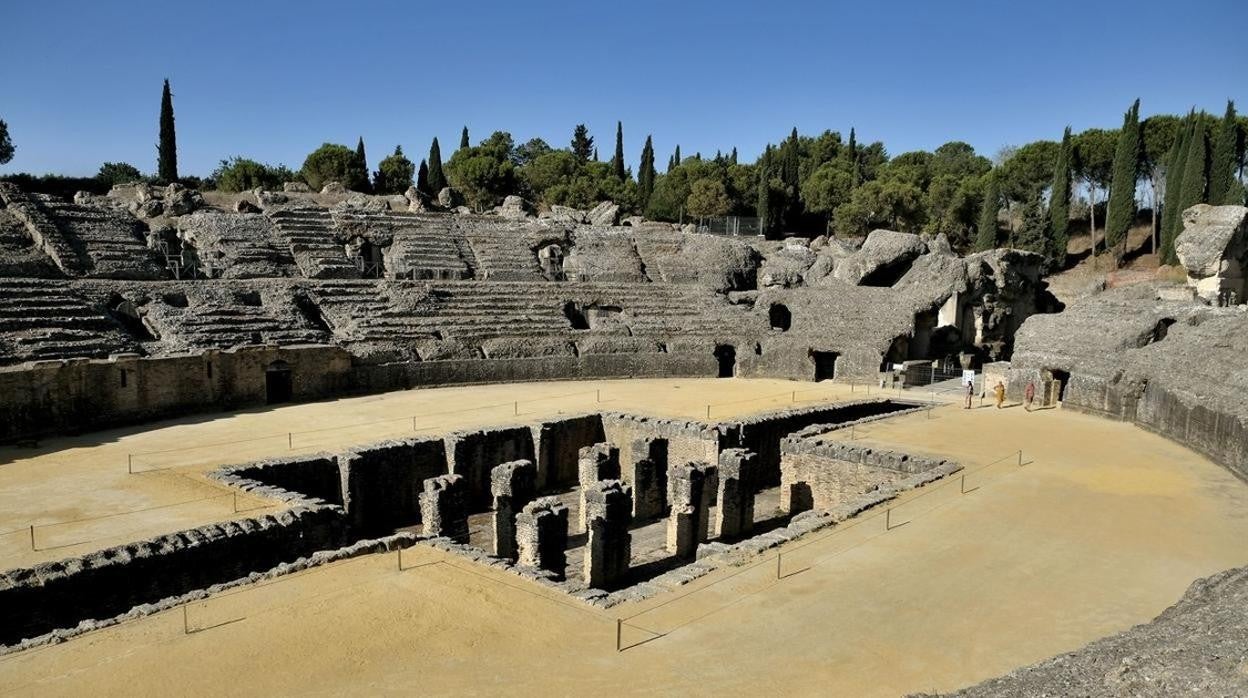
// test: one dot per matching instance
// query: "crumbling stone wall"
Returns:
(513, 486)
(444, 507)
(382, 482)
(558, 443)
(316, 476)
(823, 474)
(34, 601)
(608, 548)
(686, 440)
(474, 454)
(542, 536)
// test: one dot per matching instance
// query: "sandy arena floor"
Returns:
(1102, 527)
(80, 494)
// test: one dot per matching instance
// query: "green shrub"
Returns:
(334, 163)
(240, 174)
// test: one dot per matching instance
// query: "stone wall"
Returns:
(474, 454)
(825, 474)
(762, 434)
(686, 440)
(58, 397)
(558, 442)
(34, 601)
(382, 482)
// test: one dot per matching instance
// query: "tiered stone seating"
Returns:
(212, 315)
(663, 256)
(504, 250)
(43, 319)
(425, 246)
(42, 230)
(237, 246)
(111, 240)
(313, 243)
(19, 257)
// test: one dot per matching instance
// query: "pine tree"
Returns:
(986, 235)
(582, 143)
(1176, 163)
(422, 178)
(1059, 204)
(167, 150)
(361, 161)
(1222, 185)
(437, 180)
(1126, 169)
(617, 162)
(646, 174)
(463, 138)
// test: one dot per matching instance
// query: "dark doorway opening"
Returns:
(726, 355)
(825, 365)
(1060, 379)
(780, 317)
(278, 385)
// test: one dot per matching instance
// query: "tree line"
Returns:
(1029, 196)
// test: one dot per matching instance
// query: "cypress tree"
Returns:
(1126, 169)
(1222, 189)
(763, 207)
(362, 161)
(1176, 163)
(1195, 167)
(167, 150)
(1059, 204)
(463, 138)
(596, 154)
(646, 174)
(671, 163)
(986, 235)
(617, 162)
(422, 178)
(852, 149)
(733, 158)
(676, 157)
(437, 180)
(790, 175)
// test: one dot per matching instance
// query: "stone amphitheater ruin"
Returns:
(153, 309)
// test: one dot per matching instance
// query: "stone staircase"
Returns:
(313, 243)
(502, 252)
(662, 253)
(19, 256)
(222, 326)
(43, 319)
(111, 240)
(424, 246)
(46, 235)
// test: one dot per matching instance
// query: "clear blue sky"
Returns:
(81, 80)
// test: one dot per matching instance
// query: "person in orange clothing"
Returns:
(999, 391)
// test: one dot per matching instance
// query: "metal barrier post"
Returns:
(778, 565)
(516, 408)
(130, 463)
(32, 537)
(619, 632)
(1020, 457)
(290, 440)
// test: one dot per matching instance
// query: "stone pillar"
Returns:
(444, 507)
(542, 536)
(609, 548)
(734, 515)
(687, 525)
(648, 476)
(513, 485)
(595, 464)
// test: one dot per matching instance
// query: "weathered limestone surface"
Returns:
(542, 536)
(608, 549)
(513, 486)
(648, 477)
(595, 463)
(1213, 248)
(444, 507)
(688, 493)
(734, 513)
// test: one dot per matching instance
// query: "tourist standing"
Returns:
(1029, 394)
(999, 392)
(970, 392)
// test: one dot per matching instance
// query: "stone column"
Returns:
(542, 536)
(444, 507)
(609, 548)
(595, 464)
(648, 476)
(513, 485)
(734, 516)
(686, 526)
